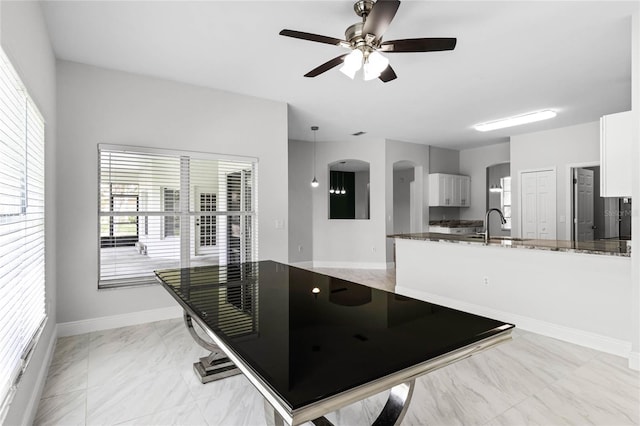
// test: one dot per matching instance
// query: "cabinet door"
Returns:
(465, 191)
(436, 190)
(455, 190)
(444, 183)
(616, 139)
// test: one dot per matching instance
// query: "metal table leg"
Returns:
(391, 415)
(216, 365)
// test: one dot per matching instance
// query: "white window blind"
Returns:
(163, 209)
(22, 281)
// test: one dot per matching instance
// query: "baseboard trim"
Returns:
(349, 265)
(73, 328)
(634, 360)
(303, 265)
(32, 407)
(572, 335)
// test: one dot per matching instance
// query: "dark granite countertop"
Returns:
(606, 247)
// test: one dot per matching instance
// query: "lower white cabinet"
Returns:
(446, 190)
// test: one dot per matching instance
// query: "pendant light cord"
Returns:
(314, 182)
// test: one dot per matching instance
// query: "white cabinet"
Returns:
(465, 190)
(447, 190)
(616, 134)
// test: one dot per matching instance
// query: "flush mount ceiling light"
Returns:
(364, 39)
(516, 120)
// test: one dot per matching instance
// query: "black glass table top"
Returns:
(310, 336)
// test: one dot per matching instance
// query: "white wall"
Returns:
(361, 201)
(402, 200)
(582, 298)
(418, 155)
(96, 105)
(347, 242)
(474, 163)
(557, 149)
(300, 201)
(24, 38)
(634, 361)
(442, 160)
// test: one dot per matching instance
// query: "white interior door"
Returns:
(206, 232)
(538, 204)
(546, 207)
(583, 204)
(528, 214)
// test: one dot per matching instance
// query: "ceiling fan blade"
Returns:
(418, 45)
(388, 74)
(380, 17)
(313, 37)
(326, 66)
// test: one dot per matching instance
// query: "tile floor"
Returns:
(142, 375)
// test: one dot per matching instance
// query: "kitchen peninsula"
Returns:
(574, 291)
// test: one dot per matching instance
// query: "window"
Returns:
(171, 204)
(119, 231)
(166, 209)
(22, 210)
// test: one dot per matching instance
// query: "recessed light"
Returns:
(516, 120)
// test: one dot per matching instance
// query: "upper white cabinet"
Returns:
(447, 190)
(616, 134)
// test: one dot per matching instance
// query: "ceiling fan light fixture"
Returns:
(516, 120)
(352, 63)
(370, 73)
(375, 64)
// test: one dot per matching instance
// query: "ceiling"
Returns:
(511, 58)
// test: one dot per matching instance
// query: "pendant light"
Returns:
(342, 190)
(314, 182)
(331, 182)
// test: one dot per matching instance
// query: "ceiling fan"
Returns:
(364, 39)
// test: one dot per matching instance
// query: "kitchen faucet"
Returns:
(486, 222)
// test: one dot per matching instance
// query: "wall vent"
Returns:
(360, 133)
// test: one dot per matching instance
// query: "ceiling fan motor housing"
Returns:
(353, 34)
(363, 7)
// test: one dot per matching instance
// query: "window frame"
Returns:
(505, 183)
(31, 213)
(250, 216)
